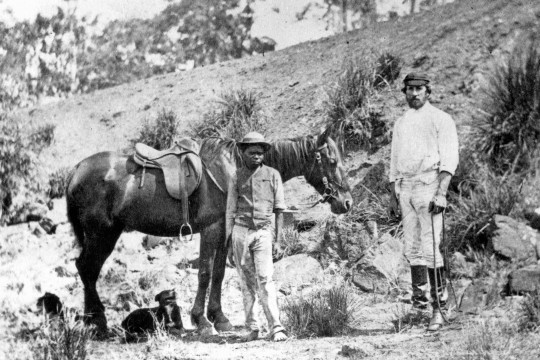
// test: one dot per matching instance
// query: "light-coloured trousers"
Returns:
(253, 254)
(414, 199)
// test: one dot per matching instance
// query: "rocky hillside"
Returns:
(456, 43)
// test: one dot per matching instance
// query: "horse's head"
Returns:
(326, 174)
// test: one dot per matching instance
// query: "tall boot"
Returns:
(419, 286)
(439, 295)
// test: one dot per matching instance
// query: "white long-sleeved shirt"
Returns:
(424, 143)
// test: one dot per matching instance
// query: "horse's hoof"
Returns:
(223, 326)
(208, 331)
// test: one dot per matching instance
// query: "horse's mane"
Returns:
(212, 147)
(288, 156)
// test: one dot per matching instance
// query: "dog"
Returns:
(51, 306)
(147, 320)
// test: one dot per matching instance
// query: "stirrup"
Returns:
(181, 237)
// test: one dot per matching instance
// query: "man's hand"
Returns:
(438, 204)
(393, 206)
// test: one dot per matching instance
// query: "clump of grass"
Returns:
(238, 112)
(148, 280)
(405, 319)
(42, 136)
(388, 68)
(475, 201)
(348, 105)
(493, 339)
(289, 244)
(161, 132)
(326, 312)
(529, 319)
(62, 339)
(508, 133)
(58, 182)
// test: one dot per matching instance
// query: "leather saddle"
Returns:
(181, 166)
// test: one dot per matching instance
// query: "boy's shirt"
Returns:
(253, 198)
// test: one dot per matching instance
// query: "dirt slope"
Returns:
(455, 43)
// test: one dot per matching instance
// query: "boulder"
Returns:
(384, 266)
(295, 272)
(375, 181)
(514, 240)
(346, 240)
(524, 280)
(481, 294)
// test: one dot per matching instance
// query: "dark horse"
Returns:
(104, 198)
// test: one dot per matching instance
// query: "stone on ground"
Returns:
(524, 280)
(514, 240)
(296, 272)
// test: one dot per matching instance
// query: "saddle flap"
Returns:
(189, 166)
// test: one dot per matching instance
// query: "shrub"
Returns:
(348, 109)
(18, 151)
(326, 312)
(508, 133)
(63, 339)
(58, 182)
(160, 133)
(238, 112)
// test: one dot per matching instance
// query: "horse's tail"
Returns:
(73, 209)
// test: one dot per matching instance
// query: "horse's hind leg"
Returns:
(215, 313)
(206, 263)
(98, 244)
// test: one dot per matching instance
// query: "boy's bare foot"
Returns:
(279, 336)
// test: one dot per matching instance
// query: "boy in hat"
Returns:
(423, 159)
(255, 198)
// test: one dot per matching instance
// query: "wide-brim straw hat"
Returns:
(254, 138)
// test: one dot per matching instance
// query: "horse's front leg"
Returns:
(206, 263)
(215, 313)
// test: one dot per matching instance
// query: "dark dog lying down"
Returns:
(51, 306)
(147, 320)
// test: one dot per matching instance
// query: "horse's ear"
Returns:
(323, 136)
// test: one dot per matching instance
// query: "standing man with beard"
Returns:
(256, 199)
(424, 157)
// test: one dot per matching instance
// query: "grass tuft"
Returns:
(161, 132)
(529, 319)
(405, 319)
(58, 181)
(508, 133)
(289, 244)
(238, 112)
(62, 340)
(326, 312)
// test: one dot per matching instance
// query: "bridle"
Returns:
(330, 192)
